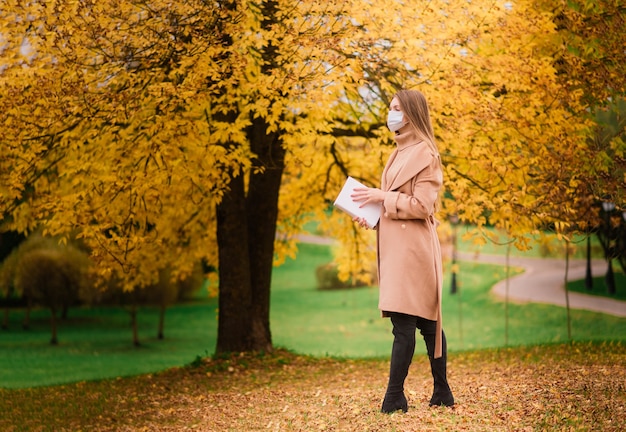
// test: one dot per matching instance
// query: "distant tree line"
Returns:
(40, 271)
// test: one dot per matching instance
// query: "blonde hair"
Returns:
(415, 108)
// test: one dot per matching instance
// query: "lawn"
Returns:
(347, 322)
(96, 343)
(599, 287)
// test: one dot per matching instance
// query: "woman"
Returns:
(409, 253)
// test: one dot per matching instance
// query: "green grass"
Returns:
(600, 288)
(347, 322)
(96, 343)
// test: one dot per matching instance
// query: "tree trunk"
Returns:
(133, 324)
(160, 334)
(246, 229)
(262, 210)
(26, 322)
(235, 299)
(53, 323)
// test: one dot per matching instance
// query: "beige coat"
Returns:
(409, 252)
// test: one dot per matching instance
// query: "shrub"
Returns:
(328, 279)
(51, 274)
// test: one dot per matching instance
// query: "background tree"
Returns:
(168, 291)
(590, 61)
(164, 131)
(50, 274)
(512, 146)
(9, 241)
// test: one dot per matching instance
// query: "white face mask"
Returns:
(395, 120)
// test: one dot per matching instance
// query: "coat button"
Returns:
(403, 226)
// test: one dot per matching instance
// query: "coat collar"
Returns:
(413, 154)
(406, 139)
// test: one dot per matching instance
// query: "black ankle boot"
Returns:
(393, 403)
(445, 399)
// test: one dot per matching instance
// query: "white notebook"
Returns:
(369, 212)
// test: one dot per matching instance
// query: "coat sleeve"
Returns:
(416, 199)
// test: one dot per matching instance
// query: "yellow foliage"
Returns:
(127, 120)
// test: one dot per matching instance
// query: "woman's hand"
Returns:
(362, 222)
(365, 196)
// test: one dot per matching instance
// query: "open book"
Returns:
(369, 212)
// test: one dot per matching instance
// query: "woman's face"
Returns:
(395, 118)
(395, 105)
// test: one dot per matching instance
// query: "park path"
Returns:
(543, 280)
